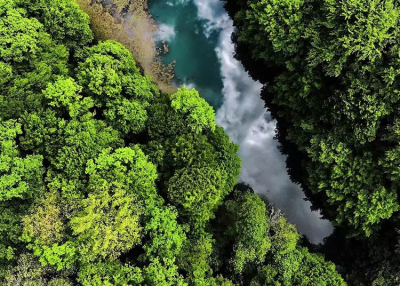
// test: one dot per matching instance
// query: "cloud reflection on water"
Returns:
(164, 32)
(247, 122)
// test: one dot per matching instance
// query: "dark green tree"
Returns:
(249, 231)
(333, 71)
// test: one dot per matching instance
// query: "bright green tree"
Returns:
(197, 112)
(20, 177)
(62, 19)
(65, 96)
(28, 54)
(109, 273)
(110, 221)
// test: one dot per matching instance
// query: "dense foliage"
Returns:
(104, 180)
(336, 84)
(332, 69)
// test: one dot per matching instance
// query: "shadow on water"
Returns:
(358, 259)
(260, 71)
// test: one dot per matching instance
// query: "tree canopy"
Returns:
(331, 75)
(105, 180)
(335, 85)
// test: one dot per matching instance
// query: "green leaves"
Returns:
(80, 202)
(351, 183)
(109, 223)
(99, 77)
(109, 74)
(197, 192)
(80, 141)
(19, 39)
(163, 273)
(60, 256)
(106, 71)
(43, 225)
(127, 116)
(109, 273)
(19, 177)
(65, 94)
(166, 235)
(129, 167)
(249, 231)
(258, 246)
(62, 19)
(198, 113)
(332, 67)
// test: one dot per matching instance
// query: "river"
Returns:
(198, 33)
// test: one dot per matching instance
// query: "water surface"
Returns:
(198, 33)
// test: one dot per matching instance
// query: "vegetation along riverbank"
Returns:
(331, 76)
(107, 178)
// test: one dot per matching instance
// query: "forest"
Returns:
(107, 180)
(332, 83)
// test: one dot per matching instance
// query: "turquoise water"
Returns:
(190, 42)
(198, 33)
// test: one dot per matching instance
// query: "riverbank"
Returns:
(201, 55)
(129, 22)
(200, 42)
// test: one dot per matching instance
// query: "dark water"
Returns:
(198, 34)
